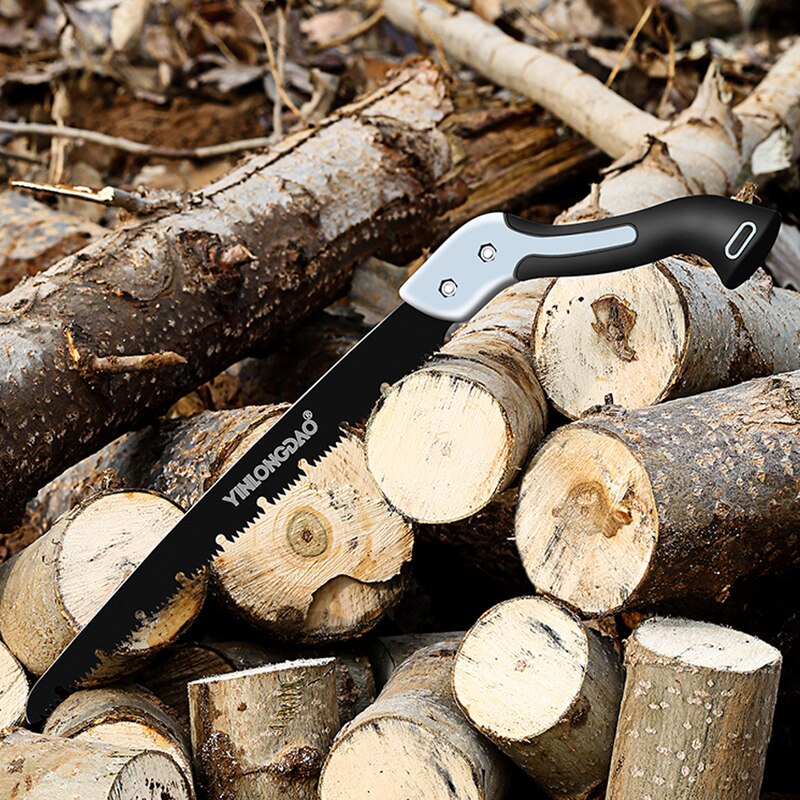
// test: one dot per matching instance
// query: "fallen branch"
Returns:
(136, 148)
(248, 257)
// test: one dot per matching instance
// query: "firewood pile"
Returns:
(560, 559)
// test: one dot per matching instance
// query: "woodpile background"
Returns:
(560, 560)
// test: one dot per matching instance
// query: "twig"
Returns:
(355, 31)
(137, 148)
(631, 40)
(662, 24)
(433, 36)
(132, 202)
(273, 64)
(26, 157)
(88, 362)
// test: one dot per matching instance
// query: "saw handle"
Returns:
(734, 237)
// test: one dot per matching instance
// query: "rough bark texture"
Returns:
(13, 689)
(323, 562)
(247, 258)
(53, 588)
(419, 449)
(413, 742)
(122, 717)
(545, 689)
(170, 672)
(670, 329)
(597, 113)
(38, 767)
(387, 653)
(263, 733)
(696, 713)
(34, 236)
(627, 508)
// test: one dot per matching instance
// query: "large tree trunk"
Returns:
(51, 590)
(122, 717)
(420, 451)
(324, 562)
(624, 509)
(38, 767)
(240, 264)
(413, 742)
(696, 713)
(262, 734)
(546, 690)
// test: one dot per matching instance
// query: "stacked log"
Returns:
(324, 562)
(52, 589)
(696, 713)
(503, 665)
(13, 689)
(264, 732)
(38, 767)
(122, 717)
(624, 509)
(413, 742)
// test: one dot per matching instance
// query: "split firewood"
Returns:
(696, 712)
(54, 587)
(122, 717)
(238, 266)
(624, 509)
(323, 562)
(387, 653)
(413, 742)
(13, 689)
(177, 666)
(420, 451)
(263, 733)
(34, 236)
(545, 689)
(38, 767)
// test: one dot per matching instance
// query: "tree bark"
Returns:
(52, 589)
(580, 100)
(545, 689)
(420, 451)
(387, 653)
(122, 717)
(324, 562)
(34, 236)
(624, 509)
(245, 260)
(263, 733)
(413, 742)
(696, 713)
(38, 767)
(13, 689)
(170, 672)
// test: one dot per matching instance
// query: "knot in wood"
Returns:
(308, 533)
(614, 321)
(297, 763)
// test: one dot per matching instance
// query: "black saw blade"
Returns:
(304, 434)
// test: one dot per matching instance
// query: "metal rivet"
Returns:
(447, 288)
(487, 252)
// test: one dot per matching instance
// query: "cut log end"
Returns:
(704, 645)
(377, 756)
(587, 532)
(13, 689)
(417, 438)
(504, 661)
(630, 342)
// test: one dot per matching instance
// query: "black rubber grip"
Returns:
(734, 237)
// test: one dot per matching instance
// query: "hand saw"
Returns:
(476, 262)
